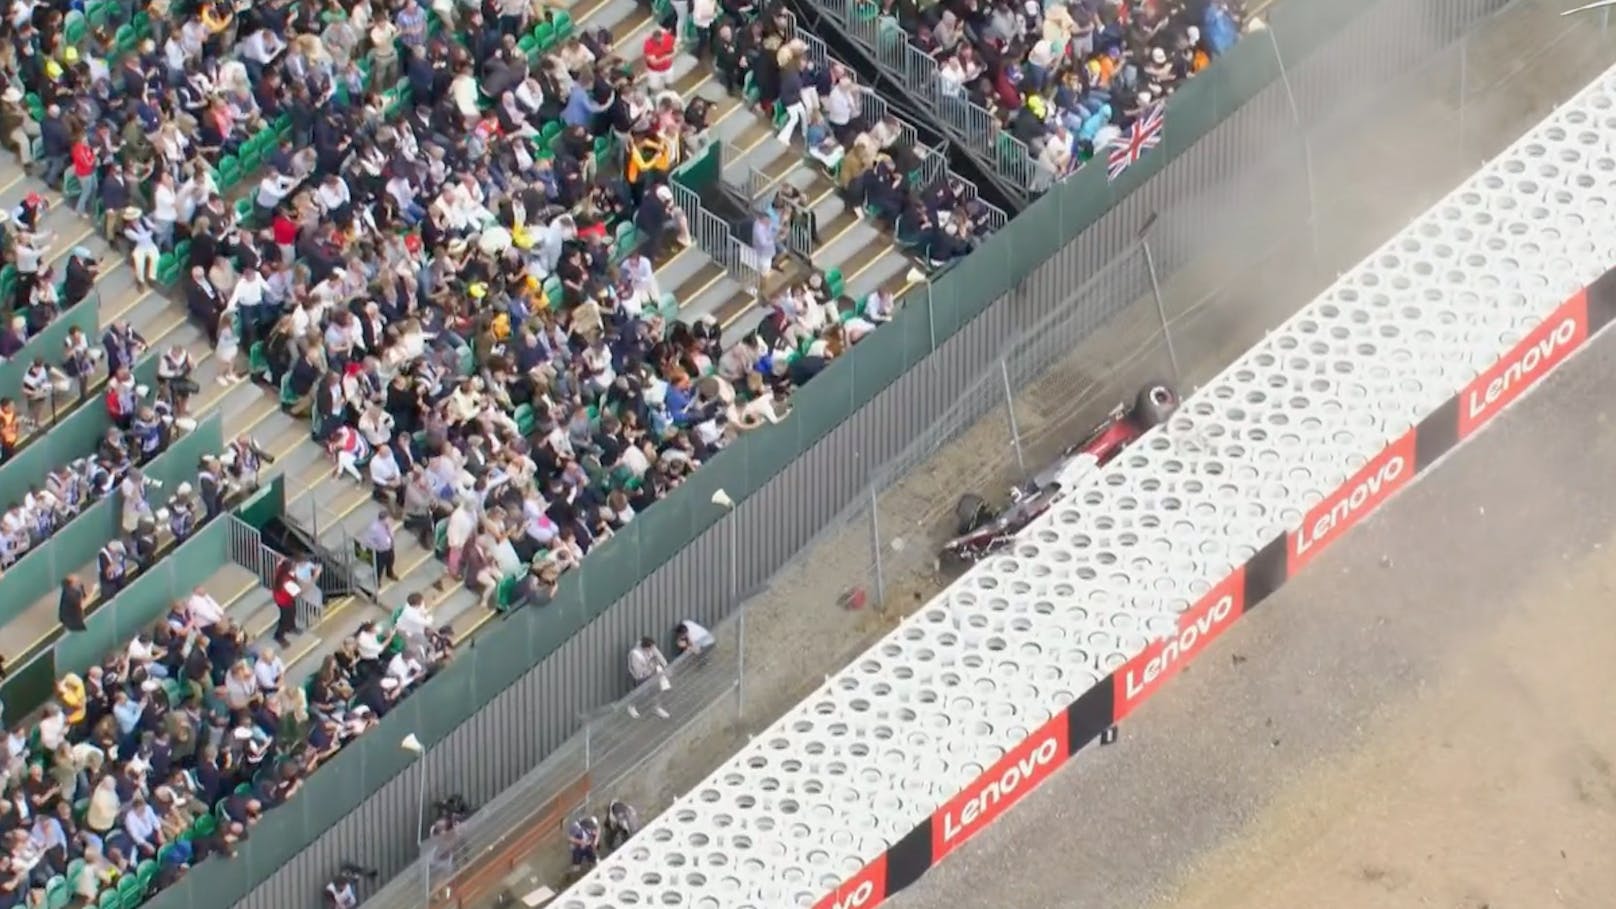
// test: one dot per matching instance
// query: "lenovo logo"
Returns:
(1378, 479)
(861, 897)
(1535, 355)
(1022, 768)
(864, 890)
(1197, 628)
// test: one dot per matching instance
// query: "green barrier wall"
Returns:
(613, 569)
(702, 170)
(112, 624)
(141, 604)
(75, 435)
(48, 344)
(264, 505)
(74, 546)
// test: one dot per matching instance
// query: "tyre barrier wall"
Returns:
(1119, 694)
(938, 729)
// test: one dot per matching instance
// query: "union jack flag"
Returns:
(1144, 135)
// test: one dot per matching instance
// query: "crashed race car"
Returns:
(983, 530)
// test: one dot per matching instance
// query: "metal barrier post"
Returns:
(1307, 147)
(875, 545)
(1464, 77)
(1010, 410)
(1156, 293)
(740, 666)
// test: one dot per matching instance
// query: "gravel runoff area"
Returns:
(1374, 170)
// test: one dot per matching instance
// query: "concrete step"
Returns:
(712, 300)
(231, 583)
(888, 271)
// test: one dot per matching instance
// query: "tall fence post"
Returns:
(1307, 146)
(589, 743)
(427, 856)
(740, 666)
(1161, 305)
(1464, 77)
(875, 548)
(1010, 409)
(931, 319)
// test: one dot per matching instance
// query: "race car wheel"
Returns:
(1156, 403)
(971, 512)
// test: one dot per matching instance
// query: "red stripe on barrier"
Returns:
(1374, 483)
(1198, 627)
(1002, 785)
(1539, 352)
(864, 890)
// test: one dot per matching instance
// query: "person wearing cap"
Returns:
(31, 248)
(18, 128)
(56, 144)
(112, 567)
(80, 276)
(182, 513)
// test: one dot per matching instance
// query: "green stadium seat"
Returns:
(57, 893)
(833, 283)
(258, 358)
(544, 35)
(204, 826)
(229, 173)
(506, 591)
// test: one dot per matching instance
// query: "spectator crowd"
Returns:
(1066, 78)
(142, 427)
(434, 232)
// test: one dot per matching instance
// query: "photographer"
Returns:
(583, 835)
(342, 891)
(451, 813)
(622, 821)
(132, 492)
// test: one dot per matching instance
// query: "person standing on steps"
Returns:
(378, 541)
(284, 588)
(70, 611)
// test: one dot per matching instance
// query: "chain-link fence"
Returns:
(1187, 299)
(516, 844)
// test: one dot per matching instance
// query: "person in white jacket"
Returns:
(142, 233)
(165, 208)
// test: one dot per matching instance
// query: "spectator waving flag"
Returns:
(1144, 135)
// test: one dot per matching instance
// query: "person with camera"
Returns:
(342, 891)
(174, 369)
(583, 836)
(622, 822)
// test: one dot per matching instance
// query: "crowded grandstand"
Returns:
(501, 276)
